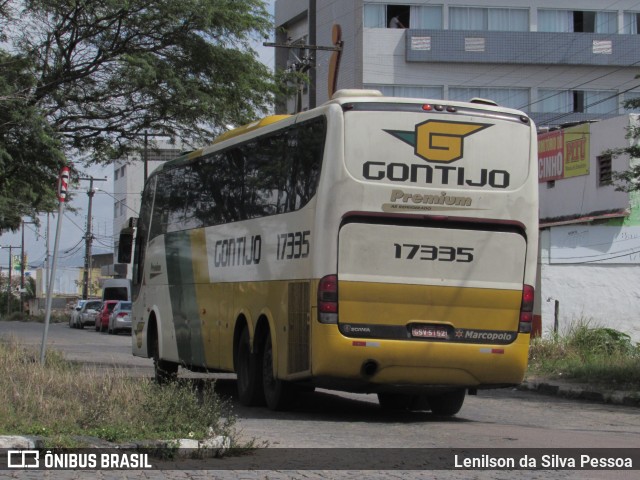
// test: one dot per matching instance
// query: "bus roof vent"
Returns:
(483, 101)
(355, 93)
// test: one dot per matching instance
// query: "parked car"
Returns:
(75, 313)
(102, 319)
(88, 313)
(120, 318)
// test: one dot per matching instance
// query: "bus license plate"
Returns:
(429, 332)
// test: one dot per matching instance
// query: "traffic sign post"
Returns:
(63, 187)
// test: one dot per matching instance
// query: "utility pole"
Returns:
(88, 236)
(306, 62)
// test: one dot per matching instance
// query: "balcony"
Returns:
(524, 48)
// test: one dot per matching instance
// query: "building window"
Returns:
(426, 17)
(577, 21)
(631, 20)
(374, 16)
(378, 15)
(116, 173)
(506, 97)
(493, 19)
(398, 16)
(577, 101)
(604, 170)
(116, 209)
(122, 170)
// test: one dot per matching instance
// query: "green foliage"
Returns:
(13, 306)
(629, 180)
(593, 355)
(600, 341)
(89, 78)
(109, 70)
(30, 154)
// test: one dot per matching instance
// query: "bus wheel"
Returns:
(277, 393)
(448, 403)
(164, 371)
(249, 373)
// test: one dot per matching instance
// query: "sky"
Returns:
(71, 244)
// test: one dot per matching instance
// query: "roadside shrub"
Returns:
(588, 354)
(600, 341)
(62, 400)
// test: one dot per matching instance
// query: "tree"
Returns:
(102, 73)
(629, 180)
(30, 153)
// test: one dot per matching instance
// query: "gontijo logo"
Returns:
(439, 140)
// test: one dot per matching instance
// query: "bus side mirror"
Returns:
(125, 243)
(125, 246)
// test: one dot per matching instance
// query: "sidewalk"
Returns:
(580, 391)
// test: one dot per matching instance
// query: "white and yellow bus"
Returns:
(372, 244)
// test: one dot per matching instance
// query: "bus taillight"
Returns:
(526, 310)
(328, 299)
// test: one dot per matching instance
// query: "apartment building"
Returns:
(561, 62)
(128, 182)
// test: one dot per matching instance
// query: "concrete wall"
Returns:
(602, 294)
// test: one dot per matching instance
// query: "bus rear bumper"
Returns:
(415, 363)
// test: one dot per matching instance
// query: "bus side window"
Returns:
(307, 149)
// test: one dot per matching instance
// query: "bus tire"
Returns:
(448, 403)
(277, 393)
(249, 383)
(163, 371)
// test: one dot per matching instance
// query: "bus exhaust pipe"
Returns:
(369, 368)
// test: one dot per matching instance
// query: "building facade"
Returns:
(563, 63)
(590, 232)
(128, 182)
(560, 63)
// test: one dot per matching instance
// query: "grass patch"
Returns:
(61, 401)
(55, 317)
(590, 354)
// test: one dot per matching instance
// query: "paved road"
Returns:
(494, 419)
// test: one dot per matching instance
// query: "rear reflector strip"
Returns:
(498, 351)
(357, 343)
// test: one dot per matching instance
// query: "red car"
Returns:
(102, 320)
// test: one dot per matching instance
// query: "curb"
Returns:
(581, 392)
(183, 447)
(19, 442)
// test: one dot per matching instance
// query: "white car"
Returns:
(75, 314)
(88, 313)
(120, 317)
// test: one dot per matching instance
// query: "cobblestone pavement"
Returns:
(502, 419)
